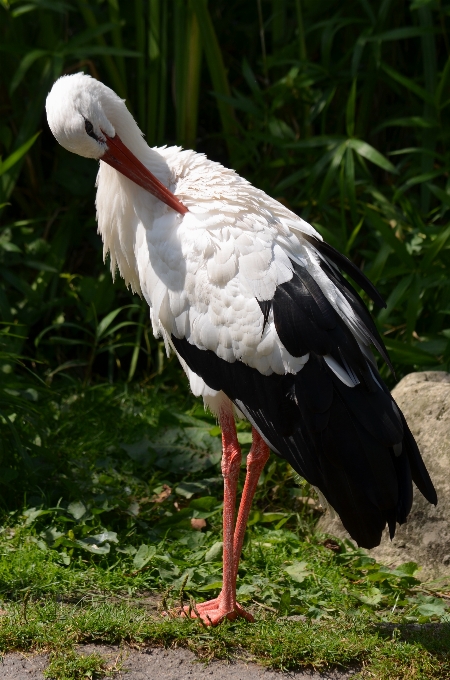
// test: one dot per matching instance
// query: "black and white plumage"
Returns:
(255, 305)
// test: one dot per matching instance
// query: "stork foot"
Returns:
(214, 611)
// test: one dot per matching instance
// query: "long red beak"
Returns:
(119, 157)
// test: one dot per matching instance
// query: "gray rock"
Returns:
(425, 400)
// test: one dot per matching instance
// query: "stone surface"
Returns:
(163, 664)
(22, 666)
(425, 400)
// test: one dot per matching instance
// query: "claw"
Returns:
(213, 612)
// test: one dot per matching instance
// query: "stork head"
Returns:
(77, 113)
(89, 119)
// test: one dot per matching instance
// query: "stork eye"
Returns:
(90, 130)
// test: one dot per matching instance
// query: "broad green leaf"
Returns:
(313, 142)
(336, 159)
(104, 536)
(143, 556)
(114, 329)
(290, 180)
(127, 550)
(372, 155)
(216, 65)
(350, 188)
(440, 194)
(285, 602)
(205, 503)
(432, 606)
(17, 155)
(90, 20)
(353, 236)
(418, 4)
(188, 489)
(93, 547)
(413, 306)
(409, 121)
(407, 569)
(23, 67)
(435, 248)
(214, 554)
(408, 354)
(401, 34)
(40, 266)
(443, 86)
(240, 103)
(350, 111)
(250, 79)
(418, 179)
(390, 238)
(52, 5)
(395, 297)
(9, 246)
(298, 571)
(84, 37)
(65, 558)
(32, 514)
(215, 585)
(372, 597)
(139, 451)
(246, 589)
(244, 437)
(409, 84)
(102, 50)
(107, 321)
(77, 509)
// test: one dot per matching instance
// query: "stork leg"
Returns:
(225, 605)
(256, 460)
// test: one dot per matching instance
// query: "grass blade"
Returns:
(409, 84)
(429, 109)
(372, 155)
(192, 83)
(300, 31)
(153, 69)
(114, 15)
(23, 67)
(350, 111)
(140, 72)
(390, 238)
(17, 155)
(110, 65)
(216, 69)
(160, 133)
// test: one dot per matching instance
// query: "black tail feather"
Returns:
(347, 266)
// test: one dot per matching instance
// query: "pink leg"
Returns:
(256, 460)
(213, 611)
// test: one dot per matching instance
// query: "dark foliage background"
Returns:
(340, 111)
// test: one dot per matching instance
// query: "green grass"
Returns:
(347, 642)
(99, 526)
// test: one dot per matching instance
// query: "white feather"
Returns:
(202, 273)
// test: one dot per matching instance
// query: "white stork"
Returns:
(253, 303)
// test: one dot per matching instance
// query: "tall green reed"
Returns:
(344, 118)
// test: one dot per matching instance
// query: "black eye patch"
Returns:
(90, 130)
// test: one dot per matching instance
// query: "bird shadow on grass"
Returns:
(434, 637)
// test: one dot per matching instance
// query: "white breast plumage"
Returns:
(203, 273)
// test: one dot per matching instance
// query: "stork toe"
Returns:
(214, 611)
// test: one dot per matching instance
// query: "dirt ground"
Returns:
(157, 664)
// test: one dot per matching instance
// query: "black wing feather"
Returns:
(352, 443)
(347, 266)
